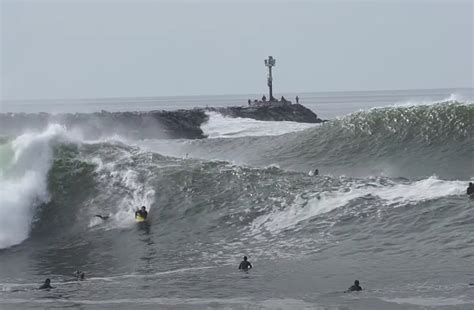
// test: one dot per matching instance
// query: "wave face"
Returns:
(393, 141)
(390, 141)
(115, 179)
(40, 171)
(390, 204)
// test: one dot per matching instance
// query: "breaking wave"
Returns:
(390, 141)
(57, 177)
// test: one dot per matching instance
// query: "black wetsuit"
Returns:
(355, 288)
(45, 286)
(245, 265)
(80, 275)
(141, 213)
(470, 190)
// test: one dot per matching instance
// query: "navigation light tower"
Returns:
(270, 62)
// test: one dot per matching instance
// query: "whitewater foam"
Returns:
(23, 182)
(136, 190)
(452, 98)
(219, 126)
(309, 205)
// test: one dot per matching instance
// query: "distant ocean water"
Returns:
(388, 208)
(325, 104)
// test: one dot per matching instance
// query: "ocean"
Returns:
(388, 207)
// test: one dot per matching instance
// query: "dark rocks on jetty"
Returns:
(177, 124)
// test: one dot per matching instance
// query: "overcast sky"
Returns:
(93, 49)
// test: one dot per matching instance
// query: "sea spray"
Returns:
(23, 181)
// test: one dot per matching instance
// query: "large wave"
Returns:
(396, 141)
(191, 198)
(57, 178)
(401, 141)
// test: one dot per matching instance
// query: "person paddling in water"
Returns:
(46, 285)
(141, 213)
(245, 264)
(355, 288)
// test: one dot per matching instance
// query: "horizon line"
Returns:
(221, 95)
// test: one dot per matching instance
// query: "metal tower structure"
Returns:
(270, 62)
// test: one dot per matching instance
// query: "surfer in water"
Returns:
(79, 275)
(102, 217)
(142, 212)
(314, 172)
(354, 288)
(245, 264)
(46, 285)
(470, 190)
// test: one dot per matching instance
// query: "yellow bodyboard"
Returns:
(139, 219)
